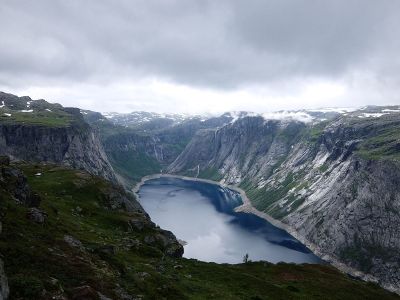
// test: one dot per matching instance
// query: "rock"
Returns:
(36, 215)
(73, 242)
(170, 244)
(118, 198)
(123, 295)
(76, 144)
(137, 225)
(14, 181)
(150, 240)
(103, 297)
(178, 267)
(107, 250)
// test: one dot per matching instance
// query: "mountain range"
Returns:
(330, 177)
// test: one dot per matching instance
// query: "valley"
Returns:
(329, 178)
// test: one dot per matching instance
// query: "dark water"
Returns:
(203, 215)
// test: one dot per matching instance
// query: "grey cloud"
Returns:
(221, 44)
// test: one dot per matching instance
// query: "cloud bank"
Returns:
(195, 56)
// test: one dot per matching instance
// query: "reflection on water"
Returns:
(203, 215)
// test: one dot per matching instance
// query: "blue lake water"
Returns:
(203, 215)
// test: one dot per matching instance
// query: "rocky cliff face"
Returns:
(245, 150)
(38, 131)
(336, 185)
(143, 149)
(75, 147)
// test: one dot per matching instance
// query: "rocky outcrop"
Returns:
(38, 131)
(76, 147)
(13, 181)
(335, 185)
(248, 149)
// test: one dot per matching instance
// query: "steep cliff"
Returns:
(38, 131)
(335, 184)
(146, 145)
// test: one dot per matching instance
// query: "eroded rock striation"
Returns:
(335, 185)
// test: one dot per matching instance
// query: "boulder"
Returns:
(36, 215)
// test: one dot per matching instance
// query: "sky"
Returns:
(197, 56)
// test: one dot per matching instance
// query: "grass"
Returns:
(37, 258)
(210, 173)
(133, 165)
(39, 118)
(262, 199)
(384, 145)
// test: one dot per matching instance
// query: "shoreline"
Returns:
(247, 207)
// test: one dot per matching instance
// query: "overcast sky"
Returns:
(202, 56)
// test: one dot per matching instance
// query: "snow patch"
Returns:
(26, 110)
(391, 110)
(7, 115)
(340, 110)
(48, 109)
(289, 115)
(2, 104)
(372, 115)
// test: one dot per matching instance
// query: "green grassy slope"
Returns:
(115, 258)
(57, 118)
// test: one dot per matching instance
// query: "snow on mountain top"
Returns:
(289, 115)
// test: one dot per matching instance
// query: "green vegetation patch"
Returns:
(40, 264)
(384, 145)
(40, 118)
(133, 165)
(210, 173)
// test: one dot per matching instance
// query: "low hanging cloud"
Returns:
(220, 49)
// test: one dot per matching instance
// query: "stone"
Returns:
(36, 215)
(73, 242)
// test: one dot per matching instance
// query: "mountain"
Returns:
(146, 121)
(37, 131)
(136, 151)
(333, 184)
(69, 231)
(67, 234)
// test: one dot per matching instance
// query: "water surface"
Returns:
(202, 214)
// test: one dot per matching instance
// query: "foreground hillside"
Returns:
(67, 234)
(334, 184)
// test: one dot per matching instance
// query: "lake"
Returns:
(202, 215)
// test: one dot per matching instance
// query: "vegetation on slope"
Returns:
(86, 246)
(44, 118)
(24, 110)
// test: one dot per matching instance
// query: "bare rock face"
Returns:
(79, 148)
(334, 186)
(15, 182)
(72, 143)
(36, 215)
